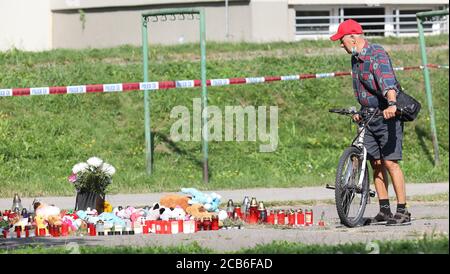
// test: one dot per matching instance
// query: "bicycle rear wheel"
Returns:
(351, 197)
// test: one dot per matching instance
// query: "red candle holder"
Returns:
(64, 229)
(291, 218)
(270, 217)
(253, 218)
(42, 232)
(50, 230)
(18, 230)
(198, 225)
(27, 231)
(300, 218)
(238, 211)
(92, 230)
(309, 219)
(5, 233)
(206, 224)
(215, 223)
(57, 231)
(280, 217)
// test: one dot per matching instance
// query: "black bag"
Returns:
(93, 200)
(407, 107)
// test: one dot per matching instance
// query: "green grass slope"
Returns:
(42, 137)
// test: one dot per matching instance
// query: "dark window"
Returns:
(305, 24)
(371, 26)
(409, 24)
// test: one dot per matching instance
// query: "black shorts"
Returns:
(384, 139)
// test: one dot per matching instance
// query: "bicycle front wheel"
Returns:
(351, 196)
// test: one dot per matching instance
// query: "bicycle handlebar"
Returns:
(344, 111)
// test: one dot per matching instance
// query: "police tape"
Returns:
(120, 87)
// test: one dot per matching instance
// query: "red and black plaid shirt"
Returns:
(373, 76)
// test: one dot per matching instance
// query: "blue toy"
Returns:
(112, 218)
(210, 202)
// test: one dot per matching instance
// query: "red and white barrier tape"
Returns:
(175, 84)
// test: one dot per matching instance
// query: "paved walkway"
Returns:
(430, 218)
(261, 194)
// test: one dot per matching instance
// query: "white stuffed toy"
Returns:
(154, 212)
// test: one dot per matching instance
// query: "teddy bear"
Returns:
(198, 211)
(174, 200)
(51, 214)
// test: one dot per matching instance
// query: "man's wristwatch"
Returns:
(392, 103)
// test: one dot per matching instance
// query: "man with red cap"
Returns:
(376, 87)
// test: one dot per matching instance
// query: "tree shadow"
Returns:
(176, 149)
(422, 135)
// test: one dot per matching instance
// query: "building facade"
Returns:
(48, 24)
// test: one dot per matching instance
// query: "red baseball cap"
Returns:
(347, 27)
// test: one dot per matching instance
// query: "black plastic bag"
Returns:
(91, 200)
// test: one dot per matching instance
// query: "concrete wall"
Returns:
(109, 27)
(25, 25)
(270, 20)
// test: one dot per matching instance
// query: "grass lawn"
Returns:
(427, 244)
(42, 137)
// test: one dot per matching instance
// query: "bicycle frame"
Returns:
(359, 143)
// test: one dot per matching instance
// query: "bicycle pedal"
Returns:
(329, 187)
(372, 193)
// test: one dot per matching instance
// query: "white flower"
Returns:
(80, 167)
(108, 169)
(95, 162)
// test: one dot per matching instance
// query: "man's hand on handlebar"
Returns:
(356, 117)
(389, 112)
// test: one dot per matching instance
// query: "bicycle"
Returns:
(352, 175)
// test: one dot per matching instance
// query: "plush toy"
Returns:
(54, 220)
(166, 213)
(126, 212)
(198, 211)
(40, 222)
(88, 218)
(51, 214)
(137, 214)
(210, 202)
(154, 212)
(111, 218)
(178, 213)
(174, 200)
(107, 207)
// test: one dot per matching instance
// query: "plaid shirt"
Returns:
(373, 76)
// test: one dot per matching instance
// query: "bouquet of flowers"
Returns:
(94, 175)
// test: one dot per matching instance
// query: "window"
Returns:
(407, 22)
(312, 22)
(372, 20)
